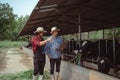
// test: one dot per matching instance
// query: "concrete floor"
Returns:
(16, 61)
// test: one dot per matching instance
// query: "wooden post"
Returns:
(114, 45)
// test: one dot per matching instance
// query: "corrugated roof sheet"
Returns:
(94, 15)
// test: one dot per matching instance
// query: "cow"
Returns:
(71, 50)
(102, 51)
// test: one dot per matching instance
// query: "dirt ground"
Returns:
(13, 60)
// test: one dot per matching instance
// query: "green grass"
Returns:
(12, 44)
(27, 75)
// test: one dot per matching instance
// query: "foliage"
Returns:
(10, 23)
(16, 27)
(95, 35)
(108, 34)
(6, 18)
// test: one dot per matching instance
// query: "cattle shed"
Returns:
(69, 15)
(75, 16)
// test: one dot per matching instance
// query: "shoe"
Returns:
(40, 77)
(52, 77)
(34, 77)
(56, 76)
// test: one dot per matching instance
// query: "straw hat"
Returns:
(40, 29)
(54, 29)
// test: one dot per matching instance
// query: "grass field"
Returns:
(12, 44)
(27, 75)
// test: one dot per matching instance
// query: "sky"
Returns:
(21, 7)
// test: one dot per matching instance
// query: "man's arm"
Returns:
(42, 43)
(47, 50)
(45, 41)
(63, 45)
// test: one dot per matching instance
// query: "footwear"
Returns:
(40, 77)
(52, 77)
(57, 76)
(34, 77)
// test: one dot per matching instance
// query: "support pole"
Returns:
(99, 52)
(79, 34)
(103, 34)
(79, 31)
(114, 45)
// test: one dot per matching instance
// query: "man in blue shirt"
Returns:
(53, 50)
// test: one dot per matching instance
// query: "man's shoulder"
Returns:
(34, 37)
(60, 38)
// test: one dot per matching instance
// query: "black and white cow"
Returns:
(71, 50)
(103, 52)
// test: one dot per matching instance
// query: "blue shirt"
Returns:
(52, 47)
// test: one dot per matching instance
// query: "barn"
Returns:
(77, 16)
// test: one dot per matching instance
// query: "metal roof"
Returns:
(94, 15)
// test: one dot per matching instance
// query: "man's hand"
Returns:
(45, 41)
(63, 46)
(62, 56)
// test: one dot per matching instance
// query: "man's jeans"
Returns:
(39, 64)
(54, 62)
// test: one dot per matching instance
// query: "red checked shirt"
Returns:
(36, 43)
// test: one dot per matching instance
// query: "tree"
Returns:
(10, 23)
(16, 26)
(6, 18)
(19, 24)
